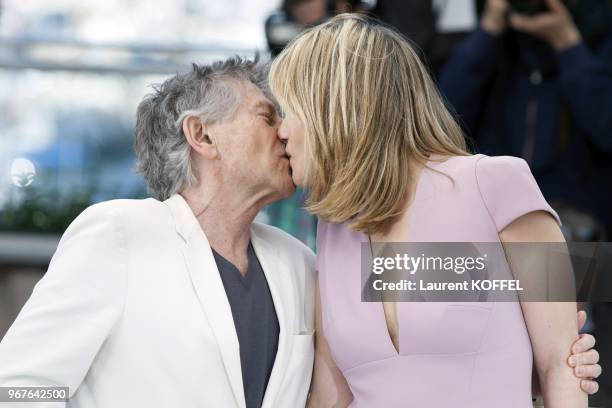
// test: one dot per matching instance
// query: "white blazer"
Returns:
(133, 313)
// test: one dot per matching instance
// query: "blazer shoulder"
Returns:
(122, 206)
(131, 215)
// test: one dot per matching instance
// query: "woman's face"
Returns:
(291, 132)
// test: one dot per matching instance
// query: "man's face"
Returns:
(252, 157)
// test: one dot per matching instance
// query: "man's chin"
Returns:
(285, 188)
(289, 190)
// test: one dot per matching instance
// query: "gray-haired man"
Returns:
(181, 300)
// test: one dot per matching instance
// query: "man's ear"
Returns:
(198, 136)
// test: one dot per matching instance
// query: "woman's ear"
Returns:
(198, 136)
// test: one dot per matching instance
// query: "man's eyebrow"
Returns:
(268, 106)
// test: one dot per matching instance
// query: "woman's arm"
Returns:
(328, 387)
(584, 361)
(551, 325)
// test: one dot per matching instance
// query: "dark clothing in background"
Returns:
(417, 21)
(559, 121)
(602, 313)
(256, 323)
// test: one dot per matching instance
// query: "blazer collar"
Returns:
(185, 221)
(209, 290)
(272, 266)
(211, 293)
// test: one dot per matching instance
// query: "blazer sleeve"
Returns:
(509, 190)
(72, 309)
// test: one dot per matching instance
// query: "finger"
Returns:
(520, 22)
(588, 357)
(527, 24)
(583, 359)
(588, 372)
(503, 5)
(584, 343)
(588, 386)
(555, 5)
(582, 318)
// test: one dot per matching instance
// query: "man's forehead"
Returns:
(254, 99)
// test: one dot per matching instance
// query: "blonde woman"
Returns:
(370, 137)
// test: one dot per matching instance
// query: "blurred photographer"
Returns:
(296, 15)
(534, 80)
(293, 17)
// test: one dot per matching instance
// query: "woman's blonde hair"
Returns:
(368, 106)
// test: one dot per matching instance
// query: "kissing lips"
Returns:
(288, 157)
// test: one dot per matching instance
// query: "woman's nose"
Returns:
(282, 132)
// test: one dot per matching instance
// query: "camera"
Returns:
(592, 17)
(529, 6)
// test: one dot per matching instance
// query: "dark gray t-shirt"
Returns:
(256, 323)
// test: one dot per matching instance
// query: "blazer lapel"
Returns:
(210, 291)
(270, 261)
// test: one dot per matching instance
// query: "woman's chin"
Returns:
(298, 181)
(296, 177)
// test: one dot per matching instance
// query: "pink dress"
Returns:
(451, 354)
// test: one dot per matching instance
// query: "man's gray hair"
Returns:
(207, 91)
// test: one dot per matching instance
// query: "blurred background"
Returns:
(72, 73)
